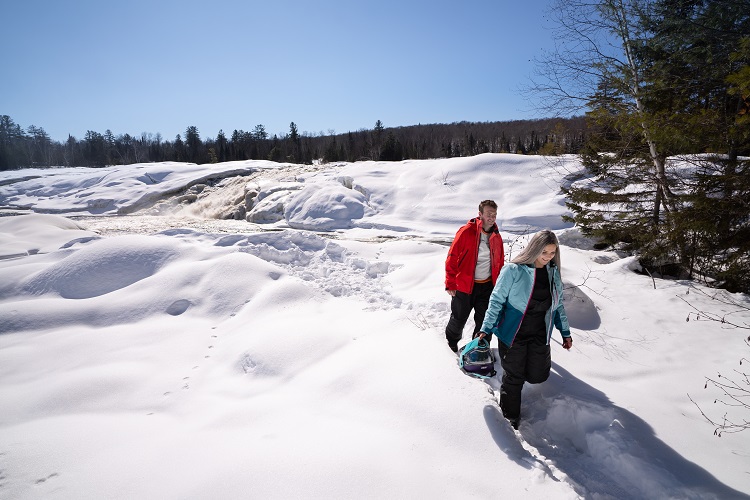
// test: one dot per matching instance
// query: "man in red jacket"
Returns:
(471, 269)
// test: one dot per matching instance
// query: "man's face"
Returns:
(488, 216)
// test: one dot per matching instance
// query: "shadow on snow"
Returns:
(576, 434)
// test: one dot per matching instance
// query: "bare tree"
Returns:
(595, 59)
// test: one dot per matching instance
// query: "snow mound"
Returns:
(126, 279)
(324, 207)
(109, 265)
(318, 261)
(38, 233)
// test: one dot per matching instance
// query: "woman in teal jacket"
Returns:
(525, 305)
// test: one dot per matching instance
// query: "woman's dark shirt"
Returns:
(533, 326)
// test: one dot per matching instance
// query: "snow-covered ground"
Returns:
(149, 350)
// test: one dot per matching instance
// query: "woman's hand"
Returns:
(567, 342)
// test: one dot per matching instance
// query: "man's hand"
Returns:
(452, 293)
(567, 342)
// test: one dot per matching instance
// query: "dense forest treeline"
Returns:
(32, 146)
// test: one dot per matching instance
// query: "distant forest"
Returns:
(32, 146)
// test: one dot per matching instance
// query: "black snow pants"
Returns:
(461, 306)
(527, 360)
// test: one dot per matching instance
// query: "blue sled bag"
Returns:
(476, 359)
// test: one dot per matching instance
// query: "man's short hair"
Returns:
(487, 203)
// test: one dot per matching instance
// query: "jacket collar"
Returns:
(478, 223)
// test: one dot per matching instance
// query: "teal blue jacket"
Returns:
(511, 297)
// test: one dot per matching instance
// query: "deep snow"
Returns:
(302, 355)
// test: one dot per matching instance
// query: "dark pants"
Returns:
(461, 306)
(528, 360)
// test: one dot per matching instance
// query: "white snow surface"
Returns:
(302, 354)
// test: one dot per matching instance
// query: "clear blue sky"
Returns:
(327, 65)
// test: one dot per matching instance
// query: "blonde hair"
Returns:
(536, 246)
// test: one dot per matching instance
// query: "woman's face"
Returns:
(547, 255)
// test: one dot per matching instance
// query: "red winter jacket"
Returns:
(462, 256)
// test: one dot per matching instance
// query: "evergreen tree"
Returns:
(110, 147)
(699, 53)
(11, 140)
(71, 154)
(39, 147)
(377, 139)
(193, 144)
(275, 153)
(351, 148)
(221, 145)
(332, 152)
(392, 149)
(676, 90)
(125, 148)
(259, 133)
(94, 151)
(294, 155)
(179, 149)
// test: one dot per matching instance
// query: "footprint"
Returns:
(178, 307)
(248, 364)
(44, 479)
